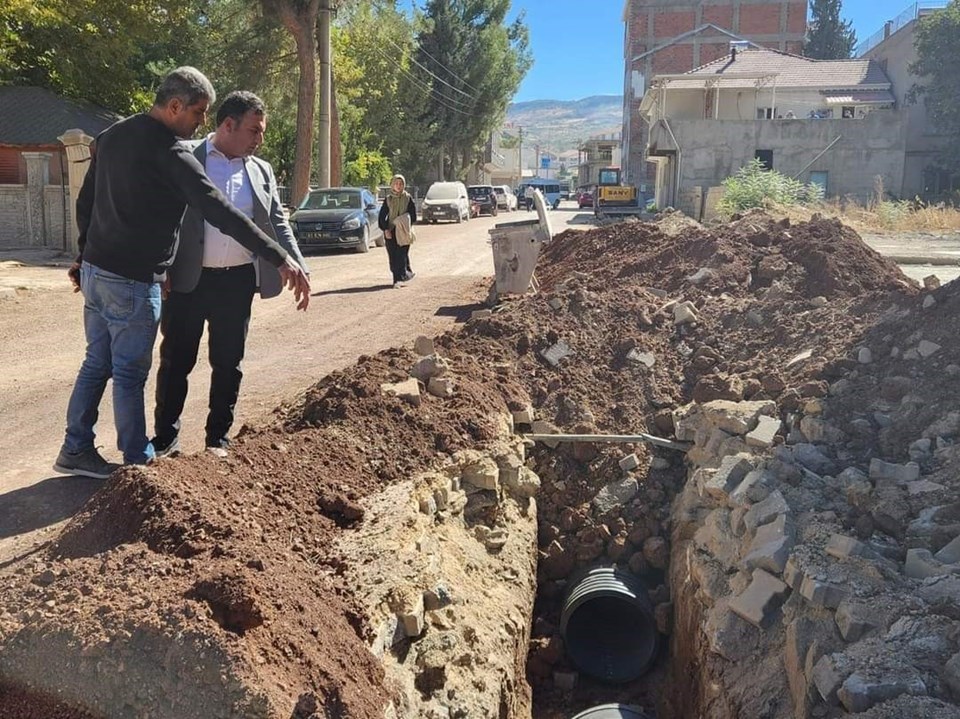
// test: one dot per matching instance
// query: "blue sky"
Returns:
(578, 44)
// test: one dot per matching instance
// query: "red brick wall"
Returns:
(760, 19)
(673, 59)
(797, 17)
(719, 15)
(671, 24)
(709, 53)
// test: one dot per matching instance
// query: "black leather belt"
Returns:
(224, 270)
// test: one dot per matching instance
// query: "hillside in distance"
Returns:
(561, 124)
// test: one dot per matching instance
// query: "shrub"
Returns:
(755, 186)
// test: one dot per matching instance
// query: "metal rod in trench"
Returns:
(613, 439)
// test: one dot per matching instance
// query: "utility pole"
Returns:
(520, 158)
(536, 166)
(326, 86)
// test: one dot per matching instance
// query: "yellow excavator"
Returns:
(613, 197)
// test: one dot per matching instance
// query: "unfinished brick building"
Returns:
(676, 36)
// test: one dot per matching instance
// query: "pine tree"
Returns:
(829, 37)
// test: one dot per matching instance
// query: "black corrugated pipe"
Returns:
(608, 625)
(612, 711)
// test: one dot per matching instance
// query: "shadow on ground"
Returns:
(460, 313)
(352, 290)
(47, 502)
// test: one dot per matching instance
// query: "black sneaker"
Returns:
(84, 464)
(165, 449)
(409, 276)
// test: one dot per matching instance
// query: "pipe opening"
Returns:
(608, 626)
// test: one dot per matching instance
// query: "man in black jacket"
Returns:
(140, 180)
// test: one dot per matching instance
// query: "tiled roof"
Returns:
(792, 71)
(34, 116)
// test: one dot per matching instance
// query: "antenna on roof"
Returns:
(736, 45)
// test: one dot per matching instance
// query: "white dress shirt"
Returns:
(230, 177)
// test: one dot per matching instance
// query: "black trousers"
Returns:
(221, 300)
(399, 256)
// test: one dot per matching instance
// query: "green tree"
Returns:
(472, 63)
(110, 52)
(381, 101)
(938, 47)
(829, 37)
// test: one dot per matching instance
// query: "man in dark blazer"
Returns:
(213, 278)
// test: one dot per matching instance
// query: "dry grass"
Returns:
(880, 218)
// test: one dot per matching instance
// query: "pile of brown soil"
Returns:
(237, 554)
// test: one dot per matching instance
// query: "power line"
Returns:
(452, 74)
(435, 96)
(431, 73)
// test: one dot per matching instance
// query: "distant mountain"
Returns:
(561, 124)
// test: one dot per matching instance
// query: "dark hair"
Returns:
(188, 85)
(237, 104)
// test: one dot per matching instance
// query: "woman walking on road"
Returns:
(397, 217)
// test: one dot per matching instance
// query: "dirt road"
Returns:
(353, 311)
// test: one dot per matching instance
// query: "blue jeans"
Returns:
(120, 319)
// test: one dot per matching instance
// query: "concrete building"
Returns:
(892, 47)
(597, 152)
(675, 36)
(835, 123)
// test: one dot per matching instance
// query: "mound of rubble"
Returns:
(391, 545)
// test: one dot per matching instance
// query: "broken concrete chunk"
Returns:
(843, 547)
(440, 387)
(540, 426)
(555, 303)
(751, 489)
(408, 390)
(771, 546)
(701, 275)
(951, 674)
(828, 677)
(556, 352)
(950, 554)
(860, 692)
(630, 462)
(684, 313)
(735, 417)
(431, 366)
(864, 355)
(855, 619)
(812, 458)
(764, 434)
(927, 349)
(931, 282)
(424, 346)
(525, 484)
(929, 302)
(765, 511)
(731, 472)
(881, 471)
(482, 473)
(647, 359)
(821, 593)
(921, 564)
(481, 314)
(523, 416)
(615, 494)
(761, 599)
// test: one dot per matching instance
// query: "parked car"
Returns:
(585, 198)
(506, 200)
(485, 196)
(446, 201)
(338, 217)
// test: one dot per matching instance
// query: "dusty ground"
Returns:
(763, 292)
(353, 311)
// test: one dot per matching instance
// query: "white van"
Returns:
(446, 201)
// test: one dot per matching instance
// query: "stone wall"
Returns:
(784, 608)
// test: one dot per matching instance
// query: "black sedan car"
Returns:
(337, 217)
(485, 197)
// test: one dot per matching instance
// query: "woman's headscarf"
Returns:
(397, 201)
